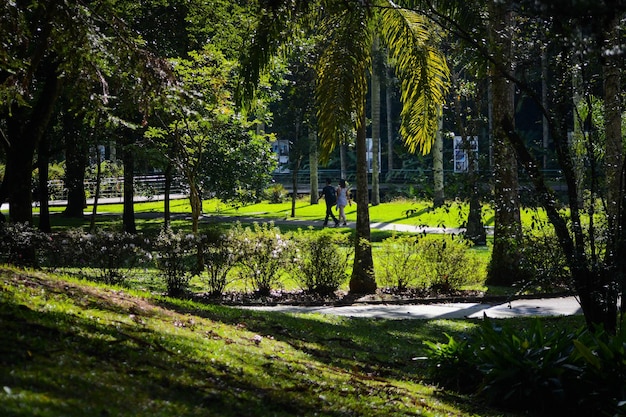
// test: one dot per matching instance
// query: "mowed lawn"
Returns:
(73, 348)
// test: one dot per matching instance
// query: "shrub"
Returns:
(66, 250)
(450, 364)
(444, 262)
(399, 262)
(523, 368)
(21, 244)
(219, 257)
(321, 265)
(276, 194)
(542, 261)
(600, 384)
(264, 255)
(175, 259)
(114, 256)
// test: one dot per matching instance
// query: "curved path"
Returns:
(543, 307)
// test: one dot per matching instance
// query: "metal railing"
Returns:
(146, 185)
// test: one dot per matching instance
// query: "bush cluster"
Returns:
(439, 263)
(542, 262)
(551, 372)
(322, 268)
(259, 255)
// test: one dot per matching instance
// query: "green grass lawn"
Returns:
(409, 212)
(72, 348)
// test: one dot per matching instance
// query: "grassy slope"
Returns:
(75, 349)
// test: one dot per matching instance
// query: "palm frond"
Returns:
(412, 43)
(276, 20)
(342, 74)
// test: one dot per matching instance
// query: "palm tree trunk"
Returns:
(439, 197)
(504, 266)
(375, 103)
(342, 156)
(389, 123)
(363, 280)
(613, 129)
(313, 164)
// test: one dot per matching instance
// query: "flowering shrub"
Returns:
(65, 250)
(20, 244)
(220, 257)
(321, 264)
(264, 255)
(113, 256)
(175, 259)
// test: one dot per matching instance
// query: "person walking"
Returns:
(330, 196)
(343, 198)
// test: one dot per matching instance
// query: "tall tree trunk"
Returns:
(375, 104)
(128, 217)
(42, 168)
(613, 127)
(313, 165)
(389, 123)
(438, 197)
(25, 129)
(76, 152)
(504, 265)
(363, 280)
(577, 140)
(167, 215)
(294, 185)
(342, 159)
(545, 128)
(196, 205)
(614, 167)
(96, 196)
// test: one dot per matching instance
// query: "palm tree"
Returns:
(349, 29)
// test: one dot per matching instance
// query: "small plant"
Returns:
(264, 255)
(523, 367)
(600, 358)
(175, 259)
(399, 262)
(276, 194)
(451, 364)
(321, 265)
(445, 264)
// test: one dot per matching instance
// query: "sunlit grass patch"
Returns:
(73, 348)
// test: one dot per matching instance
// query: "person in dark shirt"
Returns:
(330, 196)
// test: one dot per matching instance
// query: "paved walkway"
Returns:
(544, 307)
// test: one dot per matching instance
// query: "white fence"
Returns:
(147, 186)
